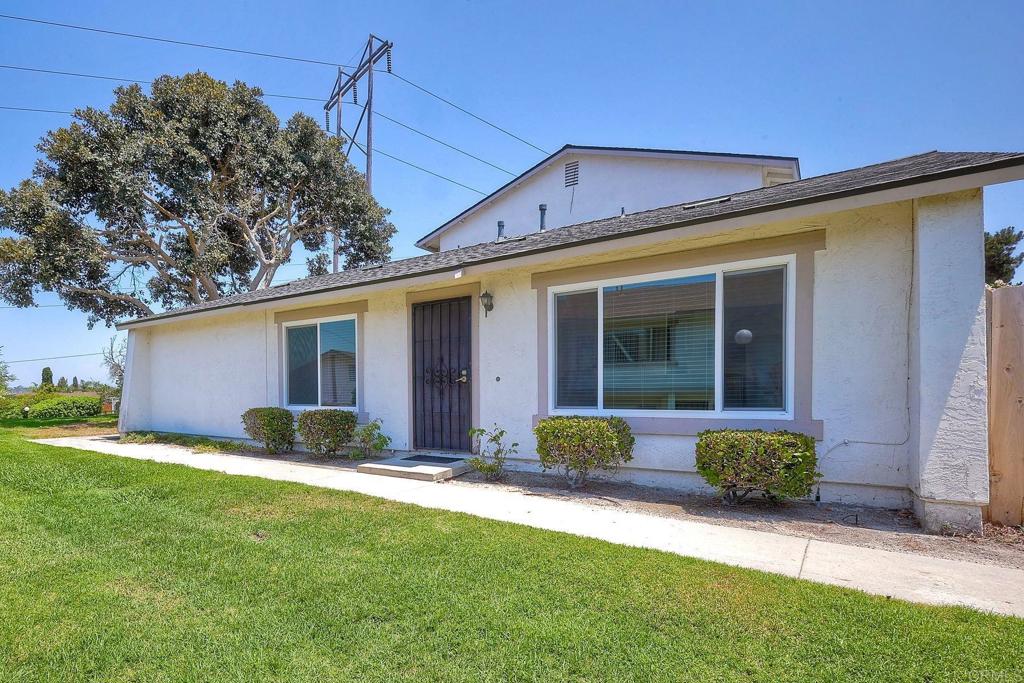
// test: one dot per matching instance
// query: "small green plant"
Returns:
(370, 439)
(66, 406)
(272, 427)
(578, 445)
(491, 452)
(738, 462)
(326, 431)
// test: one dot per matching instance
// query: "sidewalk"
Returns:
(900, 575)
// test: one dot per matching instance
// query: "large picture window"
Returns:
(321, 364)
(697, 342)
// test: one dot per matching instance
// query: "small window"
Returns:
(321, 360)
(572, 173)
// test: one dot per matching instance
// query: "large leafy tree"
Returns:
(184, 195)
(1000, 261)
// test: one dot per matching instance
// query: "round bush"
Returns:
(324, 432)
(737, 462)
(273, 427)
(577, 445)
(66, 406)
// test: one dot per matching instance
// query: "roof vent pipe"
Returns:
(543, 211)
(501, 229)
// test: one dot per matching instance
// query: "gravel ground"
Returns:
(895, 530)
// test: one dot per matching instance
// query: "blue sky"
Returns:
(838, 86)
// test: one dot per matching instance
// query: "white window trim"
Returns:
(284, 361)
(789, 261)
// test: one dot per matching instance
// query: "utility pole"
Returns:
(375, 50)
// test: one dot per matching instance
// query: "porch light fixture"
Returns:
(487, 301)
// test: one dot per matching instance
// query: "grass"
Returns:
(118, 570)
(200, 444)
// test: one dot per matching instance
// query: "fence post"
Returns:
(1006, 405)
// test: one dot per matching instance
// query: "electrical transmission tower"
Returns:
(375, 50)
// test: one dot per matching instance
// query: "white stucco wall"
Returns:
(885, 438)
(606, 185)
(860, 369)
(949, 454)
(200, 376)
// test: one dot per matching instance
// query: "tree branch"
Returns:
(113, 296)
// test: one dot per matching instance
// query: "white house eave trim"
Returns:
(710, 226)
(429, 242)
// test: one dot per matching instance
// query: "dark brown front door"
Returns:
(442, 374)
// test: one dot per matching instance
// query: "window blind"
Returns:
(338, 363)
(754, 339)
(576, 350)
(659, 345)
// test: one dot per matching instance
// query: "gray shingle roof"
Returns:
(900, 172)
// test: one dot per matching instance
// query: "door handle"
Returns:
(463, 376)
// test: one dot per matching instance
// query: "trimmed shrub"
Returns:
(491, 451)
(325, 432)
(273, 427)
(737, 462)
(66, 406)
(577, 445)
(370, 439)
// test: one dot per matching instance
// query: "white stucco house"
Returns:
(679, 290)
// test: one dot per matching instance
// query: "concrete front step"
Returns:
(422, 466)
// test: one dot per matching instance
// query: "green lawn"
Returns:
(116, 569)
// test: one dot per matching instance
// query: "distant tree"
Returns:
(186, 194)
(114, 358)
(62, 384)
(74, 383)
(6, 376)
(47, 379)
(1000, 261)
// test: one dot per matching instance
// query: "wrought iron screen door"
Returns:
(442, 374)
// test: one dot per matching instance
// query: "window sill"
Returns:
(691, 426)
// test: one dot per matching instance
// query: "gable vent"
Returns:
(572, 173)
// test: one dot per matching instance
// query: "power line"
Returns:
(442, 142)
(270, 55)
(33, 360)
(467, 112)
(409, 163)
(205, 46)
(397, 159)
(32, 109)
(6, 308)
(119, 79)
(290, 97)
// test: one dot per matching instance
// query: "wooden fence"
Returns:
(1006, 405)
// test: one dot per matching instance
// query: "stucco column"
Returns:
(949, 435)
(133, 413)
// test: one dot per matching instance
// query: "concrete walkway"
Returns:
(900, 575)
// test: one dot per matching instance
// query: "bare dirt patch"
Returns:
(56, 432)
(895, 530)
